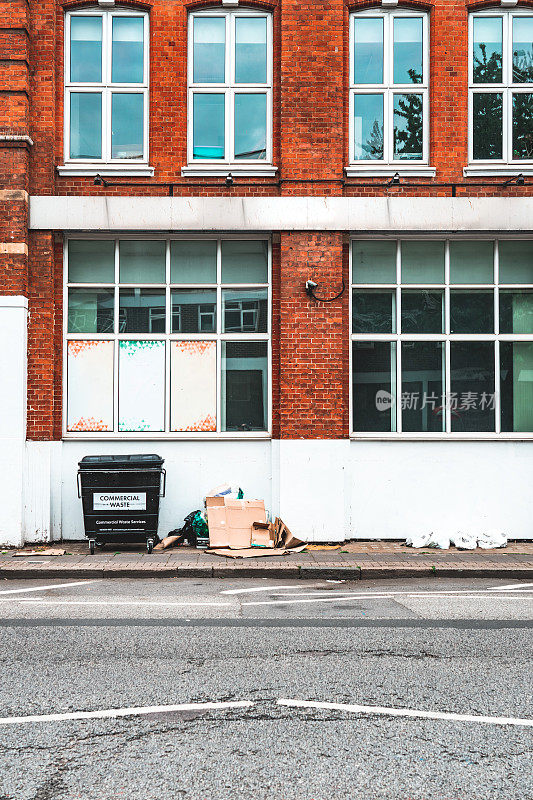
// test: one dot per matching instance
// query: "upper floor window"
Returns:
(106, 90)
(501, 88)
(230, 91)
(389, 80)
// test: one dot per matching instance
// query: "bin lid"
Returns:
(139, 461)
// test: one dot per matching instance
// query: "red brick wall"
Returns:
(311, 59)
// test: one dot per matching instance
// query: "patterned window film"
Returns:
(167, 337)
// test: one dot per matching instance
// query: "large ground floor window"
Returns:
(167, 336)
(442, 336)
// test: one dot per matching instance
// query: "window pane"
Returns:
(141, 386)
(368, 51)
(244, 262)
(516, 311)
(91, 261)
(127, 121)
(368, 127)
(422, 311)
(90, 386)
(86, 125)
(193, 262)
(250, 126)
(408, 127)
(373, 311)
(423, 262)
(487, 53)
(471, 312)
(516, 262)
(142, 262)
(90, 310)
(423, 387)
(209, 54)
(488, 126)
(193, 386)
(244, 386)
(523, 49)
(408, 64)
(472, 262)
(516, 386)
(472, 386)
(85, 49)
(194, 310)
(208, 126)
(127, 61)
(374, 262)
(374, 389)
(250, 50)
(141, 311)
(523, 126)
(245, 311)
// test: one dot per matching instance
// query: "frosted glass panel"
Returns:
(374, 262)
(141, 380)
(250, 50)
(368, 51)
(244, 262)
(516, 262)
(89, 386)
(86, 49)
(128, 50)
(472, 262)
(423, 262)
(209, 114)
(209, 51)
(193, 262)
(142, 262)
(91, 261)
(193, 386)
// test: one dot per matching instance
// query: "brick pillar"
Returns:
(312, 452)
(14, 186)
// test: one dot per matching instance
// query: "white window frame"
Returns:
(507, 165)
(215, 167)
(446, 337)
(389, 166)
(169, 336)
(106, 165)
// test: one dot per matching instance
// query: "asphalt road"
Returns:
(458, 648)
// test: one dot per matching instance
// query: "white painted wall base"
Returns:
(325, 490)
(13, 370)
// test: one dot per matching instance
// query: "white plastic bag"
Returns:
(464, 541)
(491, 539)
(418, 540)
(440, 541)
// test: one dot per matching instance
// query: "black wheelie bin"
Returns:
(120, 497)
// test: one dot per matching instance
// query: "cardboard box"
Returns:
(230, 521)
(263, 535)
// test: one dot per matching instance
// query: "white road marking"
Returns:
(150, 603)
(111, 713)
(45, 588)
(429, 593)
(259, 589)
(406, 712)
(515, 586)
(381, 597)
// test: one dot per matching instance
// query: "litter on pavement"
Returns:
(489, 540)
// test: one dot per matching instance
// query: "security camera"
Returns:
(310, 287)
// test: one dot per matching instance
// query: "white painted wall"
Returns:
(401, 488)
(324, 490)
(13, 369)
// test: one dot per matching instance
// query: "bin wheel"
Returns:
(91, 546)
(149, 545)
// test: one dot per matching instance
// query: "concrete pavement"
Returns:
(352, 561)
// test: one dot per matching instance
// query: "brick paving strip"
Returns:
(352, 561)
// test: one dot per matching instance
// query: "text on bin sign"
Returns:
(112, 500)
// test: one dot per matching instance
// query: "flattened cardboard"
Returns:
(256, 552)
(240, 516)
(263, 535)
